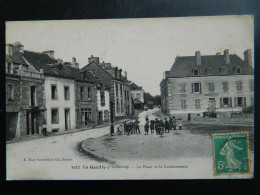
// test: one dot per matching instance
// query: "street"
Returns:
(183, 153)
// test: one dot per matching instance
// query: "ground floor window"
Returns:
(86, 115)
(54, 116)
(226, 102)
(197, 103)
(240, 101)
(183, 104)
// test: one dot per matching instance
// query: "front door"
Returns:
(212, 105)
(67, 119)
(100, 117)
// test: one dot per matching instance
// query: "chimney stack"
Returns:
(17, 47)
(248, 57)
(226, 56)
(198, 58)
(93, 59)
(9, 49)
(125, 74)
(120, 73)
(49, 53)
(116, 71)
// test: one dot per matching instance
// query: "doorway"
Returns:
(100, 117)
(67, 119)
(212, 105)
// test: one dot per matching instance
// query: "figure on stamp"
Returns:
(228, 150)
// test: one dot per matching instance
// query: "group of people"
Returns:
(155, 126)
(160, 126)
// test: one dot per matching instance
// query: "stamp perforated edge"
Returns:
(250, 163)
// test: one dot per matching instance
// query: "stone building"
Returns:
(25, 104)
(137, 94)
(112, 79)
(210, 83)
(69, 100)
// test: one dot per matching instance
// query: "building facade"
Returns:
(112, 79)
(215, 83)
(25, 104)
(137, 94)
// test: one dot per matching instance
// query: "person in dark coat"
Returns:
(125, 128)
(189, 117)
(174, 123)
(146, 128)
(147, 119)
(170, 123)
(44, 128)
(152, 126)
(112, 130)
(166, 124)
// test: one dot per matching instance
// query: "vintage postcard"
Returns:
(154, 98)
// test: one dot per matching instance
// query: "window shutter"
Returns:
(221, 102)
(235, 102)
(192, 87)
(213, 86)
(244, 101)
(200, 88)
(230, 102)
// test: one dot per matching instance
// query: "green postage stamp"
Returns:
(230, 153)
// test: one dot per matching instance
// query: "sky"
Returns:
(144, 48)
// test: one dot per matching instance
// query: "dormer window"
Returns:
(195, 71)
(223, 70)
(238, 70)
(210, 71)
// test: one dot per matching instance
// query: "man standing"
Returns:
(44, 129)
(166, 124)
(170, 123)
(189, 117)
(137, 127)
(146, 128)
(152, 126)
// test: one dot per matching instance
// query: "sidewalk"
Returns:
(50, 134)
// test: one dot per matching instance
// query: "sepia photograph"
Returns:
(143, 98)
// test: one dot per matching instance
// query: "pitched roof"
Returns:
(183, 66)
(40, 61)
(134, 86)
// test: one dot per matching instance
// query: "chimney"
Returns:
(17, 47)
(116, 71)
(248, 57)
(49, 53)
(226, 56)
(93, 59)
(198, 58)
(125, 74)
(9, 49)
(120, 73)
(74, 60)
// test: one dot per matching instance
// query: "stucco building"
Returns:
(113, 80)
(210, 83)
